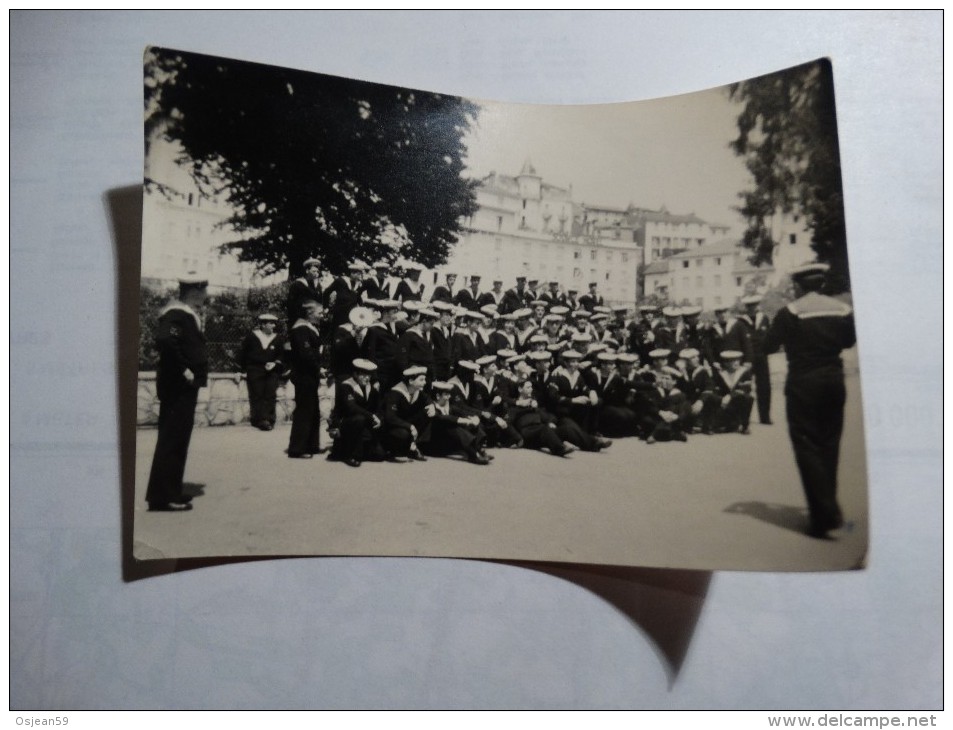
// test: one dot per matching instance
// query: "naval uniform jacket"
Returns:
(259, 349)
(513, 299)
(467, 299)
(301, 290)
(341, 297)
(181, 346)
(415, 349)
(382, 347)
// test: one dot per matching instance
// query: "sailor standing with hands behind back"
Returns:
(813, 330)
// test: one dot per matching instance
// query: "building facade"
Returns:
(525, 226)
(183, 230)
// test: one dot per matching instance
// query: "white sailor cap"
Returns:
(429, 313)
(361, 317)
(468, 365)
(385, 304)
(538, 338)
(752, 299)
(809, 270)
(265, 317)
(691, 311)
(599, 317)
(364, 365)
(357, 265)
(473, 315)
(311, 262)
(731, 354)
(381, 264)
(627, 357)
(601, 309)
(523, 313)
(489, 310)
(414, 371)
(660, 352)
(539, 355)
(486, 360)
(688, 353)
(571, 355)
(581, 337)
(582, 314)
(559, 310)
(442, 306)
(412, 305)
(193, 278)
(506, 353)
(672, 312)
(441, 387)
(538, 303)
(606, 357)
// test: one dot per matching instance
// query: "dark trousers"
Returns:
(262, 395)
(762, 386)
(542, 436)
(306, 420)
(815, 413)
(176, 418)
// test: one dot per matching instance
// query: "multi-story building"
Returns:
(527, 227)
(182, 229)
(714, 275)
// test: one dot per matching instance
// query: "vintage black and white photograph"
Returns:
(384, 321)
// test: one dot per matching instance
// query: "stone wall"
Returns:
(223, 403)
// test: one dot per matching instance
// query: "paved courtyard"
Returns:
(716, 502)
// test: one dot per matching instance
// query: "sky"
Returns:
(671, 151)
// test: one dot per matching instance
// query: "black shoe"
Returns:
(767, 422)
(170, 507)
(478, 459)
(417, 456)
(352, 462)
(300, 456)
(745, 431)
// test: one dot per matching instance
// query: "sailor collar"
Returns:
(175, 304)
(306, 323)
(264, 339)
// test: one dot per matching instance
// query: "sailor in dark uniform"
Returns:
(410, 288)
(813, 330)
(553, 297)
(469, 298)
(515, 298)
(356, 404)
(574, 404)
(446, 292)
(440, 336)
(382, 344)
(375, 286)
(591, 299)
(346, 344)
(407, 414)
(305, 439)
(181, 371)
(756, 325)
(536, 427)
(616, 417)
(494, 296)
(453, 431)
(466, 343)
(732, 383)
(260, 358)
(415, 344)
(344, 294)
(572, 299)
(303, 289)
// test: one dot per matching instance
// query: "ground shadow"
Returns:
(780, 515)
(665, 604)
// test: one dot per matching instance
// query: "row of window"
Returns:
(698, 262)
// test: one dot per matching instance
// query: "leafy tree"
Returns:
(787, 133)
(316, 165)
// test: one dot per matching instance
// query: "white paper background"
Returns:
(401, 633)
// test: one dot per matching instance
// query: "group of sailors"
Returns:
(472, 370)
